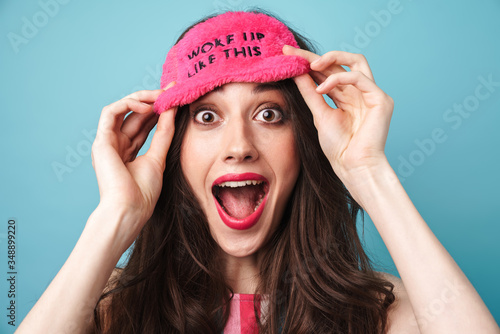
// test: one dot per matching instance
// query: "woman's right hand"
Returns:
(128, 184)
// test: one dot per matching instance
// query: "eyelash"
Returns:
(274, 107)
(202, 109)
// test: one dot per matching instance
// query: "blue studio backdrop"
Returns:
(62, 61)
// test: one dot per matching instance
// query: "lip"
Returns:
(247, 222)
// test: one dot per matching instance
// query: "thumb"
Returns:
(314, 100)
(162, 137)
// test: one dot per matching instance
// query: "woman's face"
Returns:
(240, 158)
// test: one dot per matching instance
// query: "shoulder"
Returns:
(400, 318)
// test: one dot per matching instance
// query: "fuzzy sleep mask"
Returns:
(231, 47)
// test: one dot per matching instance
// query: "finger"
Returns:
(148, 96)
(107, 163)
(139, 138)
(311, 57)
(356, 62)
(142, 135)
(162, 137)
(314, 100)
(170, 85)
(134, 123)
(357, 79)
(112, 115)
(291, 51)
(375, 126)
(318, 77)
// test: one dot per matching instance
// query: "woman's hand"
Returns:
(128, 183)
(353, 138)
(353, 135)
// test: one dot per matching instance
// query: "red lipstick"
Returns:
(251, 220)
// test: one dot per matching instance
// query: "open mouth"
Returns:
(240, 201)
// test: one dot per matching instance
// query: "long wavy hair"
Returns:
(314, 272)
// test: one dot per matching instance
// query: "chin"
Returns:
(242, 243)
(240, 250)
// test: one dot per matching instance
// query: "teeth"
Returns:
(235, 184)
(260, 201)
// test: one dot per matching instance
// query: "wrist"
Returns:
(115, 227)
(366, 183)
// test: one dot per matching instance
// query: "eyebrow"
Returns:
(265, 87)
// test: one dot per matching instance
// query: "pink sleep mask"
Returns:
(231, 47)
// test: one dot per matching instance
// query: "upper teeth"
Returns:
(234, 184)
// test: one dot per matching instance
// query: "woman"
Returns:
(256, 200)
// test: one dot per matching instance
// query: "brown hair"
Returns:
(314, 271)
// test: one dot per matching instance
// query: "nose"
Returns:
(239, 141)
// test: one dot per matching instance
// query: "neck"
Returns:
(242, 274)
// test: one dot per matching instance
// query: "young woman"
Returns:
(243, 210)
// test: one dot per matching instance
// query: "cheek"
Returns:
(281, 152)
(290, 148)
(196, 157)
(291, 164)
(190, 149)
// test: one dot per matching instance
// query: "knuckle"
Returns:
(99, 141)
(387, 101)
(133, 95)
(137, 95)
(360, 57)
(110, 108)
(336, 53)
(107, 108)
(390, 101)
(142, 92)
(95, 147)
(330, 54)
(126, 103)
(127, 100)
(317, 122)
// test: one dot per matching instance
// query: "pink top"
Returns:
(242, 317)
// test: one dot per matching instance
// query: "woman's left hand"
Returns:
(353, 135)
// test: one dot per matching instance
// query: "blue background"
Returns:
(86, 54)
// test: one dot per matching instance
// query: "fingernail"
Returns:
(320, 86)
(170, 85)
(316, 61)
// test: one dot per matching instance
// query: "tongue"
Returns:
(240, 202)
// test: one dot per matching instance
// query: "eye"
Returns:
(206, 117)
(269, 115)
